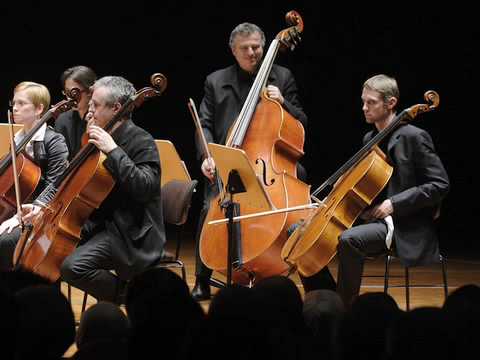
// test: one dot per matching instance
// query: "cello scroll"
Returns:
(73, 96)
(433, 100)
(159, 83)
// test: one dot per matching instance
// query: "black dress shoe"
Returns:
(201, 290)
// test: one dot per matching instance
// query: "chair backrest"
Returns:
(173, 167)
(176, 200)
(177, 186)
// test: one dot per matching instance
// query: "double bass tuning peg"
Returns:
(292, 39)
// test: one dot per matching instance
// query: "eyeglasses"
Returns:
(66, 92)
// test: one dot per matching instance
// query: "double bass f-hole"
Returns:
(264, 172)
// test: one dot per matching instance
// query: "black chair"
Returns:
(176, 202)
(392, 256)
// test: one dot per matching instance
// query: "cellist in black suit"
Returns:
(403, 215)
(126, 233)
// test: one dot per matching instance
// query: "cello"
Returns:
(28, 172)
(273, 140)
(313, 244)
(81, 189)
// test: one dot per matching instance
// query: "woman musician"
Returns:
(47, 149)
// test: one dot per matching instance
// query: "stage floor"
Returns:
(461, 270)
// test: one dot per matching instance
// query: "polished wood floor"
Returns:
(460, 271)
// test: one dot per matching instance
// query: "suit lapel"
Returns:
(394, 138)
(230, 81)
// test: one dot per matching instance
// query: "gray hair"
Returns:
(385, 85)
(119, 89)
(245, 29)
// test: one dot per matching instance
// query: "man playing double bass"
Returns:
(410, 202)
(225, 92)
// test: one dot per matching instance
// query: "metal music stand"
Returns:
(232, 209)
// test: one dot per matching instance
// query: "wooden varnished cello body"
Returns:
(273, 142)
(81, 189)
(355, 185)
(29, 177)
(29, 173)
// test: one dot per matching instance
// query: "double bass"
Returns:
(273, 140)
(313, 244)
(82, 188)
(28, 172)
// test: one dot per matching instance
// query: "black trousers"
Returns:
(354, 246)
(89, 267)
(322, 280)
(8, 242)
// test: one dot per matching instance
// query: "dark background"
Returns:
(424, 48)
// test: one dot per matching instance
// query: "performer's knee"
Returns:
(348, 242)
(67, 272)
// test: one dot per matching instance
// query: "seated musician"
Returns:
(72, 123)
(409, 202)
(47, 149)
(126, 233)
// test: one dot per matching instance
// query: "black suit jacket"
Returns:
(72, 127)
(418, 184)
(132, 212)
(222, 102)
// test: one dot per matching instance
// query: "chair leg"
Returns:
(407, 288)
(387, 274)
(69, 294)
(444, 275)
(84, 303)
(179, 242)
(407, 279)
(184, 273)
